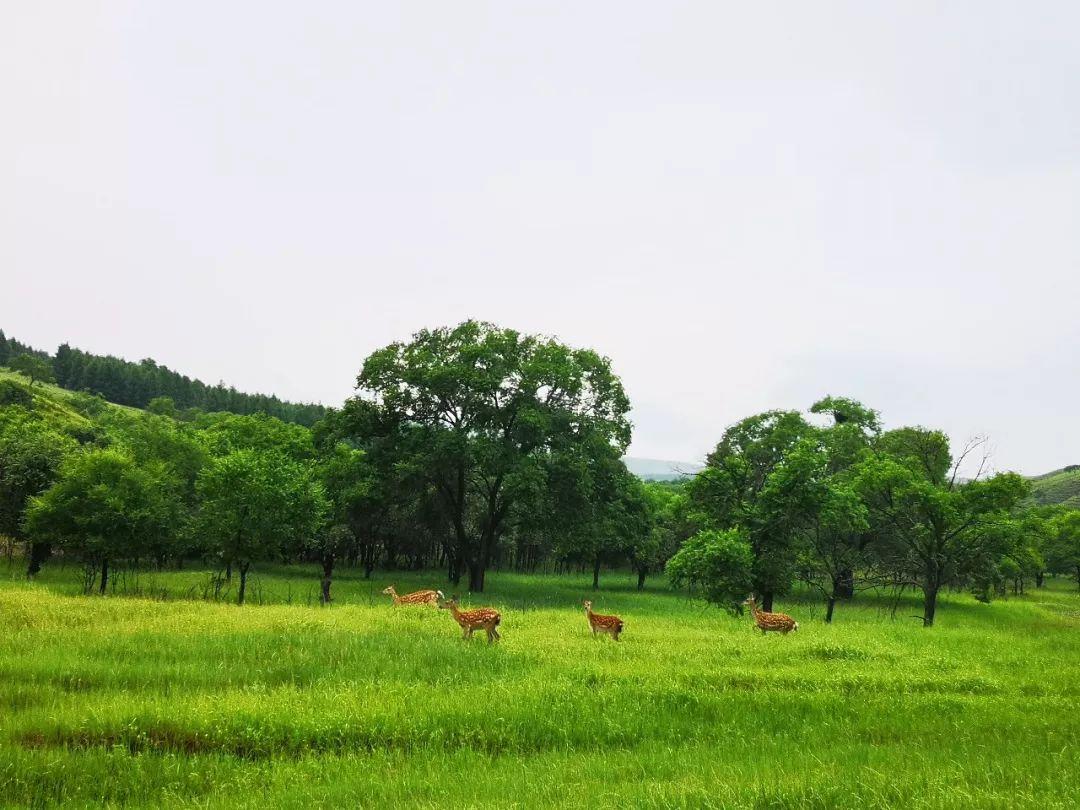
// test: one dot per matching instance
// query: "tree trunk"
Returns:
(243, 582)
(642, 572)
(104, 576)
(930, 594)
(845, 584)
(39, 552)
(328, 573)
(596, 575)
(1039, 577)
(228, 571)
(766, 601)
(829, 609)
(476, 577)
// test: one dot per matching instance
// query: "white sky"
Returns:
(744, 205)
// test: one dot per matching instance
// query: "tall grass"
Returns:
(172, 701)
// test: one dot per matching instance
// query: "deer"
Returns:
(414, 598)
(777, 622)
(598, 623)
(470, 620)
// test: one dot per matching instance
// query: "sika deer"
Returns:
(777, 622)
(414, 598)
(598, 623)
(470, 620)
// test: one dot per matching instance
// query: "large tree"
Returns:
(256, 505)
(809, 494)
(727, 494)
(475, 409)
(105, 509)
(935, 528)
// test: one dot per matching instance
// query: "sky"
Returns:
(745, 206)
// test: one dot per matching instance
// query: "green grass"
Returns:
(176, 702)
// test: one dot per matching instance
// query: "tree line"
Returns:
(140, 384)
(473, 447)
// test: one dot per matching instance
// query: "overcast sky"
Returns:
(745, 206)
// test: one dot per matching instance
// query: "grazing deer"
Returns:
(414, 598)
(612, 625)
(778, 622)
(470, 620)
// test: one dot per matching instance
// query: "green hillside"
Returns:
(1060, 486)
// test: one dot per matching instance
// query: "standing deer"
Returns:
(598, 623)
(470, 620)
(414, 598)
(777, 622)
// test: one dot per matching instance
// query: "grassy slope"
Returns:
(1060, 486)
(193, 703)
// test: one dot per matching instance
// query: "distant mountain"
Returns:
(653, 469)
(1059, 486)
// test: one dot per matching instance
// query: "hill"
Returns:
(137, 384)
(1060, 486)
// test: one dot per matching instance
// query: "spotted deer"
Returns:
(598, 623)
(777, 622)
(470, 620)
(414, 598)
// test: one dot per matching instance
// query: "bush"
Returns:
(11, 393)
(719, 562)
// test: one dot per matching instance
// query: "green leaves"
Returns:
(718, 562)
(253, 505)
(105, 506)
(479, 414)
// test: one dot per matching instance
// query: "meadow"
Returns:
(161, 698)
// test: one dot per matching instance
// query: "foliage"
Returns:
(104, 509)
(256, 506)
(14, 394)
(720, 563)
(728, 493)
(475, 411)
(30, 457)
(937, 531)
(35, 368)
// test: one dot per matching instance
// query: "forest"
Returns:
(477, 448)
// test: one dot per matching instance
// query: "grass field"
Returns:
(181, 702)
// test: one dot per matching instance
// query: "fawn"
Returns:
(414, 598)
(779, 622)
(470, 620)
(612, 625)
